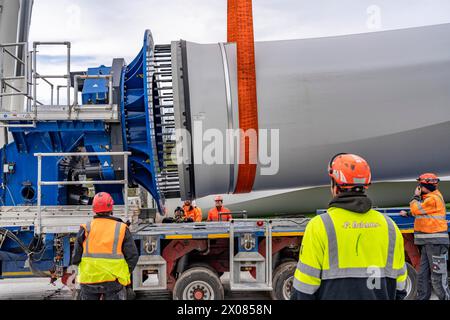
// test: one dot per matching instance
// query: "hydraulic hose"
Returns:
(26, 250)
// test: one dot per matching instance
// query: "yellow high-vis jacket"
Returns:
(350, 255)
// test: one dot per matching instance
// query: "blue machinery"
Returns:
(117, 104)
(124, 109)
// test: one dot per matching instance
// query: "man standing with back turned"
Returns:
(105, 252)
(351, 252)
(431, 235)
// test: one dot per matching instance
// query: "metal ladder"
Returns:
(250, 257)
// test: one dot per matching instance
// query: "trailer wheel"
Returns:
(283, 279)
(411, 282)
(198, 283)
(204, 265)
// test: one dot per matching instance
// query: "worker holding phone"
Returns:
(431, 236)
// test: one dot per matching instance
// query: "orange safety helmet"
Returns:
(428, 178)
(218, 198)
(349, 170)
(102, 203)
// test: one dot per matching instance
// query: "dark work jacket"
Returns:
(352, 288)
(129, 249)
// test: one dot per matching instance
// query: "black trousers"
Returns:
(103, 291)
(433, 272)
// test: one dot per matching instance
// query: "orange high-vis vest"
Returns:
(103, 259)
(430, 213)
(213, 214)
(195, 213)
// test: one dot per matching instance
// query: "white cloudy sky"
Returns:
(103, 29)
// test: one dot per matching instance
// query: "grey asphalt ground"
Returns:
(41, 289)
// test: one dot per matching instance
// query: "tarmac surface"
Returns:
(41, 289)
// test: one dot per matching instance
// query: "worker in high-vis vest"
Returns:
(351, 251)
(431, 236)
(105, 253)
(219, 212)
(191, 211)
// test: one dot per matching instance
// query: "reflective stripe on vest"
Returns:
(113, 254)
(431, 217)
(431, 235)
(308, 270)
(335, 272)
(421, 209)
(304, 287)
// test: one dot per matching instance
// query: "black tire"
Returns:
(198, 283)
(204, 265)
(411, 282)
(282, 281)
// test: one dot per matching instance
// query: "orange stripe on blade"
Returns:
(240, 30)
